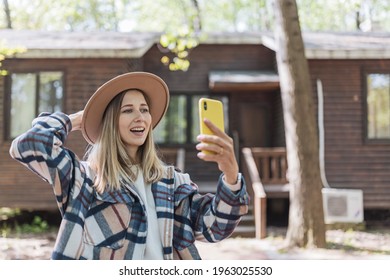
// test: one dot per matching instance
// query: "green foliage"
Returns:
(181, 21)
(236, 15)
(69, 15)
(162, 15)
(6, 213)
(9, 223)
(38, 225)
(179, 44)
(346, 15)
(181, 40)
(7, 52)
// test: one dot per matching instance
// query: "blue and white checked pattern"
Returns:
(113, 225)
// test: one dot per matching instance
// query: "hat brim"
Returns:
(155, 89)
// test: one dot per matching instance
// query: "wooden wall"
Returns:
(206, 58)
(352, 162)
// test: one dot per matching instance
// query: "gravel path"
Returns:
(342, 245)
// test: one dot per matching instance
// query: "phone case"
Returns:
(213, 110)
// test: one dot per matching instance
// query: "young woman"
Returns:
(122, 201)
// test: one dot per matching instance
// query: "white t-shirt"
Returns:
(154, 250)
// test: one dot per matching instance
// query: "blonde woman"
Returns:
(122, 201)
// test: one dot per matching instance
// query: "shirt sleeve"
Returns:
(211, 217)
(41, 150)
(237, 186)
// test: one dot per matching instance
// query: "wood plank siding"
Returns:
(206, 58)
(350, 161)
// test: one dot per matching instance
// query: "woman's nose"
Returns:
(138, 116)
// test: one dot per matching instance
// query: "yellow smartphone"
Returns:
(213, 110)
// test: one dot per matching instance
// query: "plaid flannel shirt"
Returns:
(113, 225)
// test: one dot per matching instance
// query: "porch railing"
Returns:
(267, 169)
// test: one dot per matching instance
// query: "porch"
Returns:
(265, 174)
(265, 170)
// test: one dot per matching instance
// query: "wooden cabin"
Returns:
(61, 70)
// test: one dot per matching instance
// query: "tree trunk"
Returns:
(197, 22)
(306, 218)
(7, 14)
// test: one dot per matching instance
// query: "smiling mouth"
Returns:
(138, 130)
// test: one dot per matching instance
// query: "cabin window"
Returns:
(172, 128)
(378, 106)
(32, 93)
(180, 125)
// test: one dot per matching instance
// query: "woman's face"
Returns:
(134, 121)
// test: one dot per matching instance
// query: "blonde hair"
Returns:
(108, 157)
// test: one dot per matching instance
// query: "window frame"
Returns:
(189, 116)
(365, 74)
(8, 93)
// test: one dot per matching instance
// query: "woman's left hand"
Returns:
(220, 149)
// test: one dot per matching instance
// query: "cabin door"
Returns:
(254, 124)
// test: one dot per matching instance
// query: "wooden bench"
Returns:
(266, 168)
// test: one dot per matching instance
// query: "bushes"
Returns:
(17, 222)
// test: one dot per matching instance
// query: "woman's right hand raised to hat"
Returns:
(76, 120)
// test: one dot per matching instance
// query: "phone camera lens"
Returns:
(205, 105)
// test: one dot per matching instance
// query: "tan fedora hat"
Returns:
(152, 86)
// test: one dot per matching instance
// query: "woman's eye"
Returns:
(144, 110)
(127, 111)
